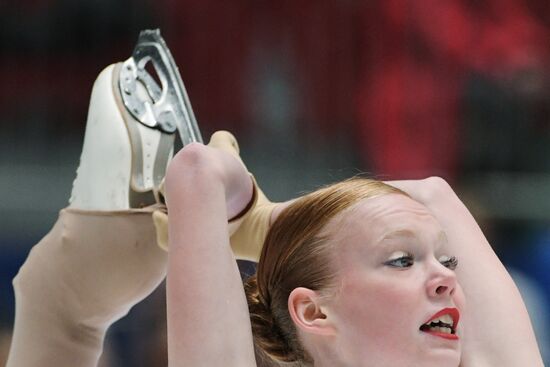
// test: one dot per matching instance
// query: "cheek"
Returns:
(461, 303)
(379, 309)
(459, 298)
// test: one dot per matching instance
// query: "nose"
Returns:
(441, 283)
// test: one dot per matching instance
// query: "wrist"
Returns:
(251, 201)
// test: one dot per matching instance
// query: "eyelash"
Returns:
(398, 262)
(451, 263)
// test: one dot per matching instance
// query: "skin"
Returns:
(205, 297)
(499, 331)
(206, 300)
(70, 327)
(201, 308)
(382, 295)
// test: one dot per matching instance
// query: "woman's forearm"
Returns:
(205, 298)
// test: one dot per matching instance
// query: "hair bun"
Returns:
(270, 343)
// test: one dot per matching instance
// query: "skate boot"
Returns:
(131, 129)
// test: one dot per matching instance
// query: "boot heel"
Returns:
(131, 129)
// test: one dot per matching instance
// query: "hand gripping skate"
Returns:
(130, 130)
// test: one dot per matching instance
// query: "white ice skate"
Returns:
(130, 130)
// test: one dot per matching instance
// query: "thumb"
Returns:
(225, 141)
(160, 219)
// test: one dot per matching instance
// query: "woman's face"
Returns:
(396, 274)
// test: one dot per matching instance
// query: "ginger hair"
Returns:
(297, 253)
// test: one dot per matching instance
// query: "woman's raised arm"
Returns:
(498, 330)
(208, 320)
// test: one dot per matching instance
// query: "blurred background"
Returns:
(315, 91)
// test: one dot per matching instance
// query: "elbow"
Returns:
(191, 156)
(438, 185)
(194, 162)
(436, 189)
(193, 159)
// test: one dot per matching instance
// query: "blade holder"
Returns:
(165, 107)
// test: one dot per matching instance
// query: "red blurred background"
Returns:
(314, 90)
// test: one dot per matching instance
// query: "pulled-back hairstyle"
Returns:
(296, 253)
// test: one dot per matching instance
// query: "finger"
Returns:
(160, 220)
(225, 141)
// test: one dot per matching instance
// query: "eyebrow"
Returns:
(398, 233)
(407, 233)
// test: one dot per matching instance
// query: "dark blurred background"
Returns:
(315, 91)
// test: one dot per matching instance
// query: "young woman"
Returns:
(356, 274)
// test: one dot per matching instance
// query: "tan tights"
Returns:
(85, 274)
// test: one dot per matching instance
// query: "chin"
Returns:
(442, 358)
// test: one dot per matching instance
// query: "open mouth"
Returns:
(443, 324)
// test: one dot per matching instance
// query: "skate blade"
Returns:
(152, 113)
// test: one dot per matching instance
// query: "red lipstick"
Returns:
(428, 326)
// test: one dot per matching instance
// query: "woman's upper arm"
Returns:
(497, 331)
(208, 320)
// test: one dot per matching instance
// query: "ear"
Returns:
(304, 307)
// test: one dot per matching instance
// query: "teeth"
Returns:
(447, 319)
(441, 329)
(442, 324)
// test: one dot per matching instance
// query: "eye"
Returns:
(450, 262)
(400, 259)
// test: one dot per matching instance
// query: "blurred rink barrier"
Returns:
(315, 91)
